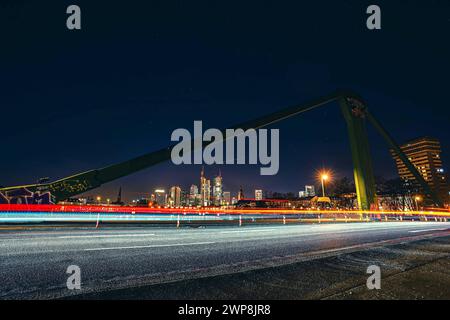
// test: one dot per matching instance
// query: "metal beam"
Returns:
(354, 114)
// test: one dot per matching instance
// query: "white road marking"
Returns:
(425, 230)
(107, 236)
(150, 246)
(251, 230)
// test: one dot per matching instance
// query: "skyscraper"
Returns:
(205, 189)
(160, 197)
(193, 195)
(258, 194)
(425, 154)
(217, 190)
(175, 196)
(240, 194)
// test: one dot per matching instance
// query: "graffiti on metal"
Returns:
(25, 196)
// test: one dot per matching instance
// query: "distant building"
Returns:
(175, 196)
(119, 201)
(160, 197)
(310, 191)
(217, 190)
(240, 194)
(425, 154)
(194, 196)
(185, 198)
(142, 202)
(205, 190)
(226, 198)
(90, 200)
(258, 194)
(198, 200)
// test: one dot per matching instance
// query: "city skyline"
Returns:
(424, 152)
(251, 189)
(233, 185)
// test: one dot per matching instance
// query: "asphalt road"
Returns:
(118, 262)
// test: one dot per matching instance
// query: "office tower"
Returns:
(175, 196)
(217, 190)
(425, 154)
(310, 191)
(160, 197)
(258, 194)
(302, 194)
(205, 189)
(240, 194)
(193, 195)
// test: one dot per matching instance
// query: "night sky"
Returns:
(72, 101)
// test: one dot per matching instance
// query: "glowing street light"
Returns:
(417, 199)
(324, 176)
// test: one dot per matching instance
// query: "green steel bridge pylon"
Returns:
(354, 113)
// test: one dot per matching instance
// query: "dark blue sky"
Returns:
(76, 100)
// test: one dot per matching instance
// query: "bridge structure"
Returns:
(355, 113)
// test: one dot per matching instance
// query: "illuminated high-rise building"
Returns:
(310, 191)
(175, 196)
(160, 197)
(258, 194)
(217, 190)
(205, 189)
(240, 194)
(193, 195)
(425, 154)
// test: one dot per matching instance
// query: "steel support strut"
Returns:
(354, 113)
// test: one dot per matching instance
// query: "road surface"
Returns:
(247, 262)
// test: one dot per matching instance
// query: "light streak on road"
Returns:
(22, 213)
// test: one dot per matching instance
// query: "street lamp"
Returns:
(99, 199)
(323, 177)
